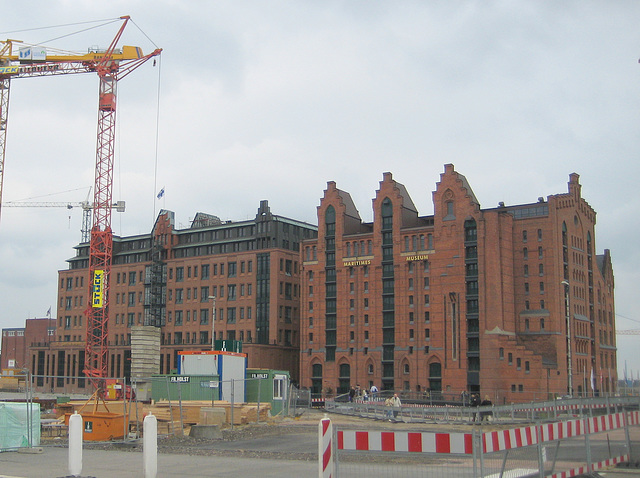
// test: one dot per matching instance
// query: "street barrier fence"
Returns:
(553, 450)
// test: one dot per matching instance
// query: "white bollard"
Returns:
(75, 444)
(150, 446)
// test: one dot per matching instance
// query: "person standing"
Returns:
(486, 403)
(475, 403)
(396, 404)
(388, 405)
(374, 391)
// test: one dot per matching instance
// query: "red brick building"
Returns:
(16, 342)
(465, 299)
(168, 278)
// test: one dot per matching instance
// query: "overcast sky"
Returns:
(255, 100)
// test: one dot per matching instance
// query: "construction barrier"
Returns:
(557, 450)
(326, 449)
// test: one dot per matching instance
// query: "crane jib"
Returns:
(18, 69)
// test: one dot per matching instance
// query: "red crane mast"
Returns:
(111, 65)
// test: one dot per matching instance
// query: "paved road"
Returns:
(53, 463)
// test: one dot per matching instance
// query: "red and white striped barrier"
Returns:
(560, 430)
(606, 422)
(418, 442)
(581, 470)
(519, 437)
(326, 464)
(462, 443)
(508, 439)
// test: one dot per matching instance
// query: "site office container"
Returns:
(230, 367)
(268, 386)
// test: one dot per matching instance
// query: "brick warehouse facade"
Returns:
(166, 279)
(467, 299)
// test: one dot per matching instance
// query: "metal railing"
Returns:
(375, 408)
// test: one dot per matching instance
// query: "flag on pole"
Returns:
(49, 312)
(161, 193)
(593, 380)
(601, 378)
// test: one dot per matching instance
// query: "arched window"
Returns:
(435, 377)
(316, 370)
(387, 214)
(330, 221)
(470, 230)
(345, 378)
(316, 379)
(450, 214)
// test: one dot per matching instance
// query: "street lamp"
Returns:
(213, 320)
(568, 321)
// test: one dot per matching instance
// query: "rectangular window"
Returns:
(205, 272)
(231, 315)
(231, 269)
(179, 274)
